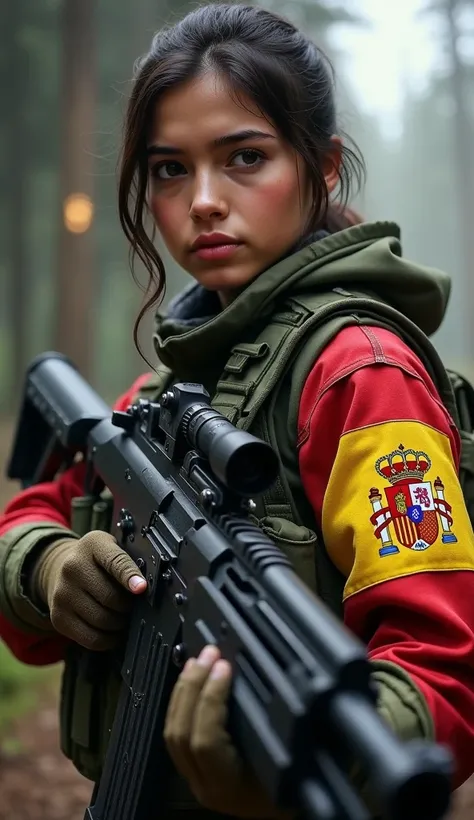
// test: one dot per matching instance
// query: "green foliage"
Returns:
(20, 687)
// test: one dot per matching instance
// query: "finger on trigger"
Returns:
(211, 711)
(183, 699)
(179, 719)
(213, 751)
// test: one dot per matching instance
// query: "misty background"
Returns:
(405, 73)
(406, 95)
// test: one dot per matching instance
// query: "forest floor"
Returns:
(36, 780)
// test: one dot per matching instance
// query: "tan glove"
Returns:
(202, 749)
(87, 585)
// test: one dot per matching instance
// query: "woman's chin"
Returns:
(224, 279)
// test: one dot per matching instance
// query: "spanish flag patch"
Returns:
(394, 506)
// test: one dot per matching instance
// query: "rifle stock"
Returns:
(303, 707)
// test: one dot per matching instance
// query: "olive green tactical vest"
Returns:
(259, 390)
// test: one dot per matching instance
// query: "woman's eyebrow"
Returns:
(226, 139)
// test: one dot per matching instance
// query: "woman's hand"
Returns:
(200, 746)
(87, 584)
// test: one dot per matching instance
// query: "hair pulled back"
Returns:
(261, 56)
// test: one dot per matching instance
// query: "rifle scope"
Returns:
(243, 463)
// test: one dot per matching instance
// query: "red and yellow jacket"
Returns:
(379, 458)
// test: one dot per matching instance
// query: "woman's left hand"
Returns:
(200, 746)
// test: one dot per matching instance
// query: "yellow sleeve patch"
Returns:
(394, 506)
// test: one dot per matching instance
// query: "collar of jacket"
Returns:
(367, 254)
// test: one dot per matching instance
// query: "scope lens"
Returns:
(243, 463)
(252, 468)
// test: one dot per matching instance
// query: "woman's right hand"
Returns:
(88, 585)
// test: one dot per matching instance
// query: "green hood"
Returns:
(365, 258)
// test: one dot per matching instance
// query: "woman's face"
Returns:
(228, 195)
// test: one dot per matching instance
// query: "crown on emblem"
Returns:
(402, 464)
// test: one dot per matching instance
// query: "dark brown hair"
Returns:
(262, 56)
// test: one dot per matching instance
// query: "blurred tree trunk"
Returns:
(464, 156)
(17, 175)
(75, 275)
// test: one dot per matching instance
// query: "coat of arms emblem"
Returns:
(414, 512)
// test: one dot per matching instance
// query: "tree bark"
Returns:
(75, 276)
(17, 175)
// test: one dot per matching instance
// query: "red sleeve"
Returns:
(407, 553)
(47, 502)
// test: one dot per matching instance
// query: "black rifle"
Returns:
(302, 705)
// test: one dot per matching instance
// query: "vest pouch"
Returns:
(91, 680)
(101, 518)
(81, 514)
(89, 694)
(298, 543)
(91, 513)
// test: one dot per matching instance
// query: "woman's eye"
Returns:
(168, 170)
(249, 158)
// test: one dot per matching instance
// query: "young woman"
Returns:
(232, 147)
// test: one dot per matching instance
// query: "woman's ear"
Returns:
(332, 164)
